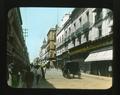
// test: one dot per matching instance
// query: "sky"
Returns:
(37, 22)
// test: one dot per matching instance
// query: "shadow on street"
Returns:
(45, 84)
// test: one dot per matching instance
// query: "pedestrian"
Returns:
(35, 74)
(43, 73)
(110, 70)
(23, 78)
(19, 79)
(43, 70)
(15, 79)
(14, 75)
(34, 70)
(9, 77)
(39, 75)
(29, 76)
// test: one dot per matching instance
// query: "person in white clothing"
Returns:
(110, 70)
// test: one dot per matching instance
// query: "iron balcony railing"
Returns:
(98, 17)
(86, 26)
(79, 31)
(73, 35)
(67, 39)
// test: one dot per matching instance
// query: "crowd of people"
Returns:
(27, 77)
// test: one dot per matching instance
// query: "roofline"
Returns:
(19, 13)
(51, 29)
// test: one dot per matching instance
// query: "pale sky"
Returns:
(38, 21)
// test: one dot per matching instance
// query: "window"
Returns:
(69, 30)
(86, 35)
(79, 39)
(65, 33)
(80, 21)
(98, 16)
(58, 41)
(75, 25)
(100, 30)
(62, 38)
(87, 16)
(73, 41)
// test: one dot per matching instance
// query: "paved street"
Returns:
(54, 79)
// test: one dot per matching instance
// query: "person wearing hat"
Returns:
(29, 76)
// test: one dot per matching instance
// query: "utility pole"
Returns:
(57, 15)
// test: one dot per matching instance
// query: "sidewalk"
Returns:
(97, 76)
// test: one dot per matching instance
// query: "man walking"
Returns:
(29, 76)
(39, 75)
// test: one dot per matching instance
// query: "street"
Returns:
(78, 41)
(54, 79)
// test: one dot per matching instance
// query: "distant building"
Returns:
(87, 38)
(36, 61)
(16, 48)
(43, 51)
(51, 46)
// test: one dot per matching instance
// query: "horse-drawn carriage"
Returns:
(71, 68)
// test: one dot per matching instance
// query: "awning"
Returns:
(100, 56)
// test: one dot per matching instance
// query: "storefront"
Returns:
(99, 61)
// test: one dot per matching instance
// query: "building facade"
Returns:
(87, 31)
(51, 47)
(16, 47)
(36, 61)
(43, 52)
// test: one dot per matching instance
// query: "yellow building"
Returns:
(51, 46)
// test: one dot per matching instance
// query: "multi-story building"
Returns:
(36, 61)
(43, 51)
(16, 47)
(51, 46)
(87, 38)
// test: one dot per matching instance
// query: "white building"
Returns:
(87, 30)
(43, 51)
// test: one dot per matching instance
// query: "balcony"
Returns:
(73, 35)
(86, 26)
(79, 31)
(98, 17)
(67, 39)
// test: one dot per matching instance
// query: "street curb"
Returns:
(98, 77)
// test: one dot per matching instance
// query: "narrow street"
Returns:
(80, 40)
(54, 79)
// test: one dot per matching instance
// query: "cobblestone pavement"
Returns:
(54, 79)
